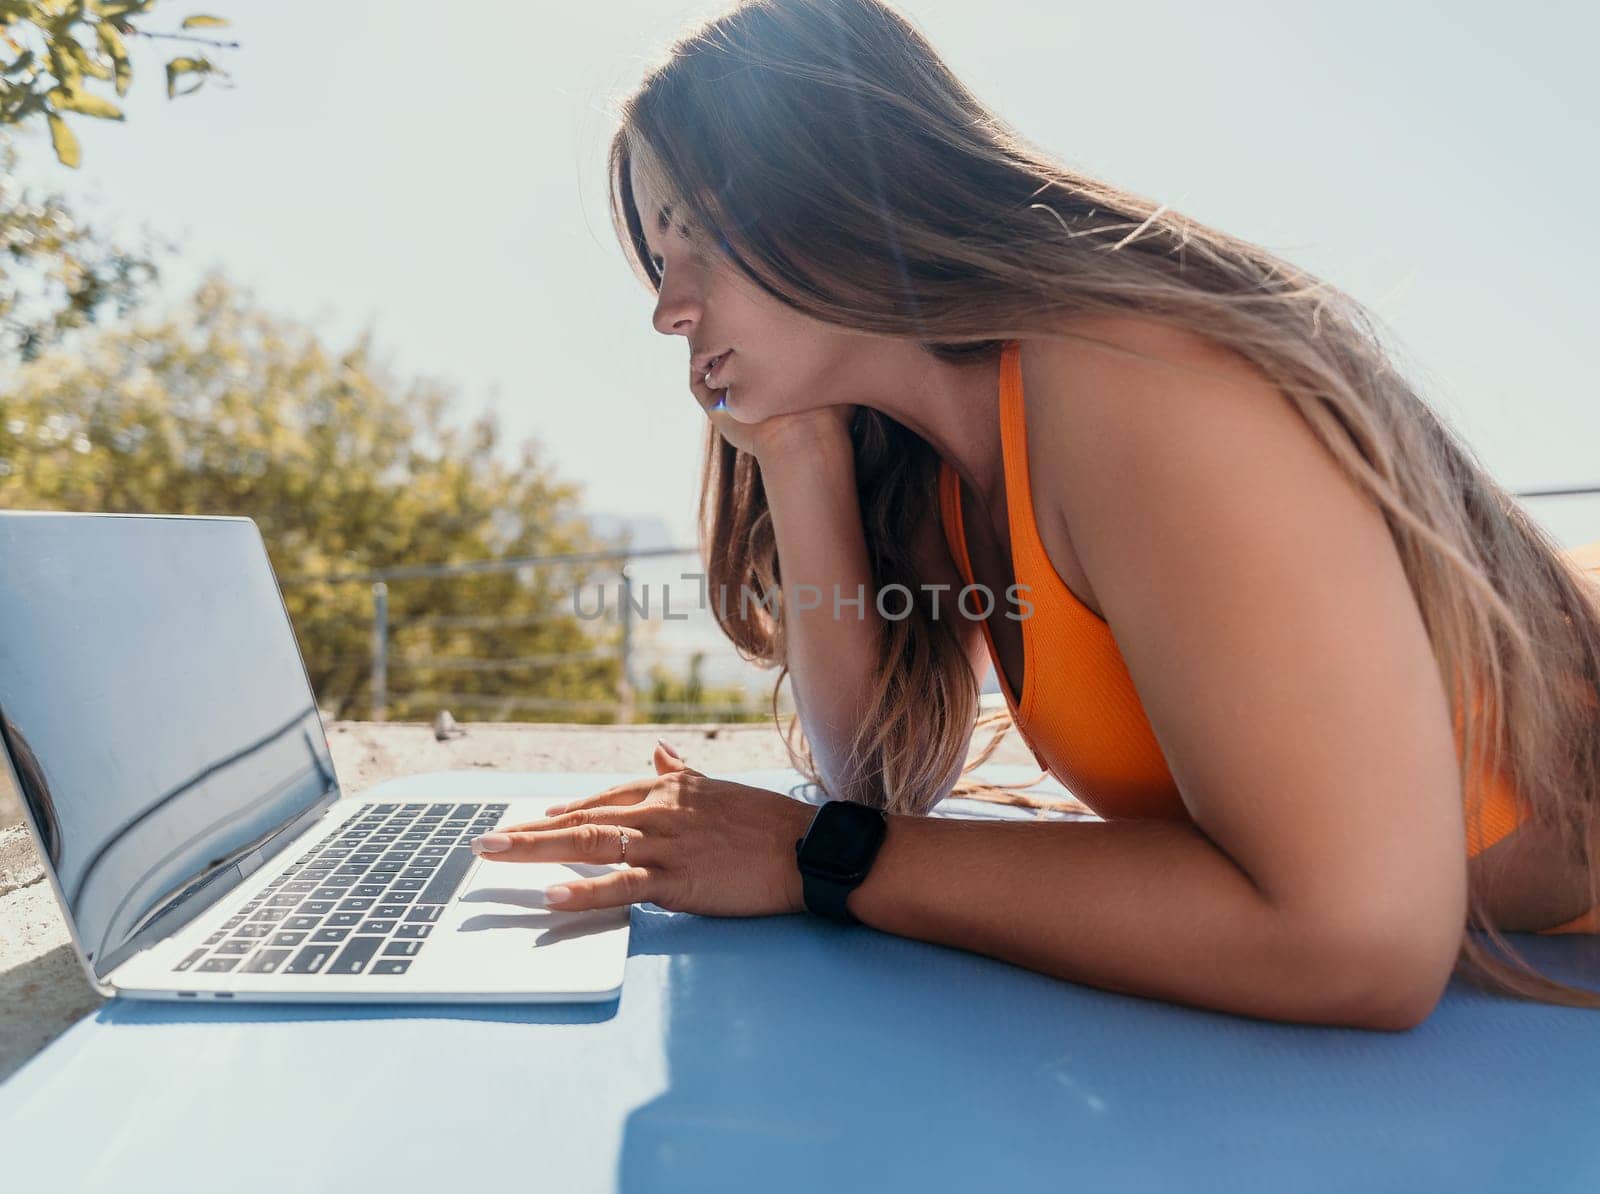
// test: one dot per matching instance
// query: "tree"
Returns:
(687, 699)
(47, 72)
(56, 272)
(220, 408)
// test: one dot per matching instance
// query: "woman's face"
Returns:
(773, 360)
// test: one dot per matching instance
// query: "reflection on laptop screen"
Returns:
(155, 709)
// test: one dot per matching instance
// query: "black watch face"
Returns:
(842, 840)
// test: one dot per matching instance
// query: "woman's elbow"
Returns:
(1387, 977)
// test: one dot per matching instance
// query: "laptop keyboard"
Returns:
(362, 903)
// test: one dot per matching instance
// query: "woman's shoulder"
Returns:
(1127, 415)
(1132, 344)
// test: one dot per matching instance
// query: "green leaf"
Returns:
(66, 144)
(196, 22)
(111, 45)
(82, 101)
(184, 66)
(123, 8)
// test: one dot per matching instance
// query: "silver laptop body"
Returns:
(158, 724)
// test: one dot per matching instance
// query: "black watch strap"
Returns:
(829, 897)
(836, 853)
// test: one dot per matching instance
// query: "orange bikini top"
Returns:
(1078, 710)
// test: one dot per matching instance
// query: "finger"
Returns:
(710, 400)
(666, 759)
(631, 792)
(632, 885)
(578, 843)
(571, 818)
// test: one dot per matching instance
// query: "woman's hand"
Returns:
(695, 844)
(781, 433)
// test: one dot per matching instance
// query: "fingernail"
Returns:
(668, 747)
(552, 809)
(491, 843)
(557, 894)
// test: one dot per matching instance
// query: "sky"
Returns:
(435, 173)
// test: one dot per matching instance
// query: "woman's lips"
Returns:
(716, 364)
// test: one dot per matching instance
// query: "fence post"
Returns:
(625, 678)
(380, 651)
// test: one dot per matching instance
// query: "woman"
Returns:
(932, 359)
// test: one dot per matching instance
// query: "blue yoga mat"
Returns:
(792, 1054)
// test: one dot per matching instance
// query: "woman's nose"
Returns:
(677, 312)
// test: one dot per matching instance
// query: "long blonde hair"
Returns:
(848, 173)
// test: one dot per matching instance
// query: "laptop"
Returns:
(160, 729)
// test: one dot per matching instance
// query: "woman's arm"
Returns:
(1142, 907)
(833, 639)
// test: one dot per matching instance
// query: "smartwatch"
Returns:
(836, 853)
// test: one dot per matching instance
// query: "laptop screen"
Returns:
(155, 710)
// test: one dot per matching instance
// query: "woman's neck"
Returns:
(954, 407)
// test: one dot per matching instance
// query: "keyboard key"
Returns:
(390, 965)
(266, 961)
(401, 949)
(354, 957)
(376, 926)
(329, 936)
(384, 808)
(433, 851)
(315, 908)
(331, 891)
(387, 868)
(413, 931)
(342, 920)
(252, 930)
(408, 885)
(232, 922)
(302, 922)
(418, 872)
(310, 959)
(396, 896)
(190, 960)
(214, 938)
(442, 887)
(367, 890)
(236, 947)
(217, 965)
(424, 914)
(389, 911)
(270, 915)
(287, 939)
(354, 905)
(365, 858)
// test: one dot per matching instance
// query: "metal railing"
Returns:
(625, 706)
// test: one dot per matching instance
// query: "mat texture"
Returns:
(791, 1054)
